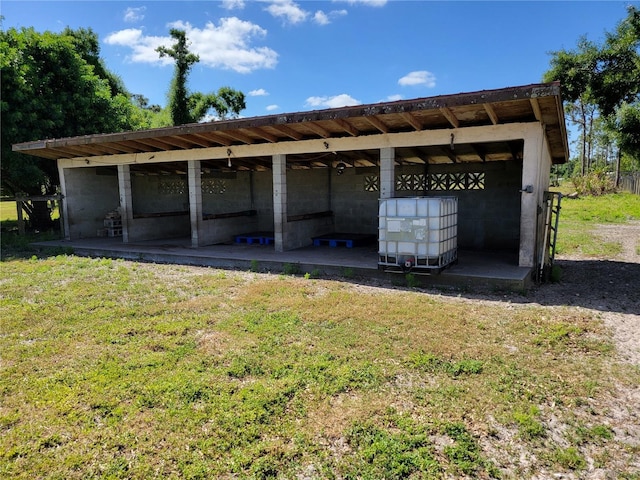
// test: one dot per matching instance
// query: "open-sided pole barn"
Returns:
(299, 176)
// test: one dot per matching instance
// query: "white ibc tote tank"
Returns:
(418, 233)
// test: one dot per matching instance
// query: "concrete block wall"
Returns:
(308, 191)
(154, 228)
(300, 233)
(223, 230)
(488, 219)
(226, 194)
(355, 210)
(149, 197)
(94, 195)
(263, 199)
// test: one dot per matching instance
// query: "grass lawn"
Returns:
(8, 211)
(579, 215)
(116, 369)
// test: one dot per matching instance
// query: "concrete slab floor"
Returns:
(473, 269)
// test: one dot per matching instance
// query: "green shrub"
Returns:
(596, 182)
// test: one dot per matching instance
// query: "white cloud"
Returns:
(143, 47)
(271, 108)
(368, 3)
(393, 98)
(336, 101)
(226, 46)
(421, 77)
(322, 18)
(260, 92)
(134, 14)
(288, 10)
(233, 4)
(293, 13)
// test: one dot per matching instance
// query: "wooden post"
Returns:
(58, 201)
(19, 206)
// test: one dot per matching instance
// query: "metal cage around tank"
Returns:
(417, 234)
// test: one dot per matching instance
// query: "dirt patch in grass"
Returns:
(609, 287)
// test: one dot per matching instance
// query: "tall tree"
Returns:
(178, 96)
(603, 80)
(574, 69)
(190, 108)
(49, 89)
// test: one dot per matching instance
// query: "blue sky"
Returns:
(290, 56)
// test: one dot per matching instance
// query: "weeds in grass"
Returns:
(465, 453)
(347, 272)
(291, 269)
(393, 453)
(432, 364)
(529, 426)
(315, 273)
(556, 274)
(569, 458)
(412, 280)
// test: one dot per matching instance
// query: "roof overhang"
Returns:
(541, 103)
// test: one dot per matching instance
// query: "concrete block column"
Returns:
(387, 172)
(194, 179)
(126, 200)
(531, 196)
(279, 201)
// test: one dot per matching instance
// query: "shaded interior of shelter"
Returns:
(327, 193)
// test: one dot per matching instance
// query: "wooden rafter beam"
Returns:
(450, 116)
(171, 142)
(288, 131)
(323, 132)
(412, 120)
(260, 132)
(199, 140)
(363, 155)
(415, 153)
(176, 142)
(70, 152)
(347, 127)
(124, 148)
(479, 150)
(379, 124)
(107, 149)
(236, 135)
(491, 112)
(448, 153)
(145, 143)
(212, 137)
(535, 105)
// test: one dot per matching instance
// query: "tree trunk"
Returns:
(616, 177)
(584, 138)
